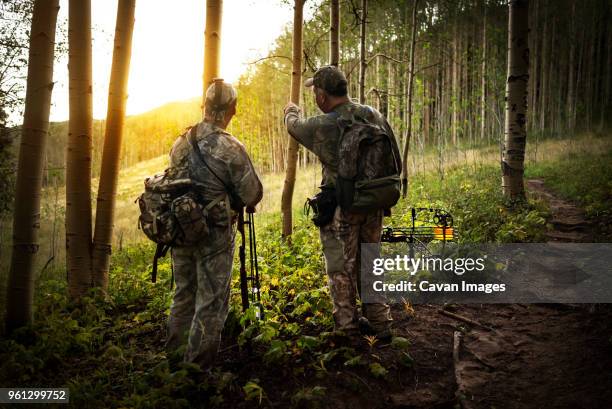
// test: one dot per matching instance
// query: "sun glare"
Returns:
(168, 49)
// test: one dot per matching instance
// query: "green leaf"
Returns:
(308, 342)
(253, 391)
(378, 370)
(400, 343)
(276, 352)
(406, 360)
(329, 355)
(355, 361)
(267, 332)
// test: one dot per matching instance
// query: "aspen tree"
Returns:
(292, 150)
(115, 118)
(483, 79)
(78, 154)
(26, 216)
(334, 33)
(362, 51)
(409, 103)
(513, 155)
(212, 44)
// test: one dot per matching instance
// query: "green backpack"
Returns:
(369, 167)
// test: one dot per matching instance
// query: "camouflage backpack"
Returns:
(368, 168)
(172, 210)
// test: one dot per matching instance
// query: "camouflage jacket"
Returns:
(321, 134)
(227, 158)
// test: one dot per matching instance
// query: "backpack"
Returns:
(172, 210)
(368, 167)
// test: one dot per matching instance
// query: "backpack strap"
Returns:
(198, 152)
(230, 189)
(196, 149)
(160, 251)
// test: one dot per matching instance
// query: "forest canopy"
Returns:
(460, 71)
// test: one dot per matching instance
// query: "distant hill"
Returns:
(146, 135)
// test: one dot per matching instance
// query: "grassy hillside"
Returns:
(52, 248)
(145, 136)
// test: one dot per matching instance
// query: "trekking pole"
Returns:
(254, 276)
(244, 289)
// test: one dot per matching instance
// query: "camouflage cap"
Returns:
(330, 79)
(219, 96)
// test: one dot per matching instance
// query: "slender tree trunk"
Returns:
(409, 115)
(552, 62)
(544, 60)
(534, 66)
(580, 81)
(390, 89)
(212, 44)
(570, 70)
(377, 83)
(78, 155)
(26, 216)
(427, 104)
(590, 71)
(513, 155)
(292, 151)
(608, 77)
(362, 51)
(599, 70)
(483, 84)
(115, 117)
(455, 83)
(334, 31)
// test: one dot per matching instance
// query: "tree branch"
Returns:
(268, 58)
(388, 57)
(426, 67)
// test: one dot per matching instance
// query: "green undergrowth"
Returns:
(109, 349)
(481, 214)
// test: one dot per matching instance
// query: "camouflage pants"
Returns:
(341, 241)
(201, 301)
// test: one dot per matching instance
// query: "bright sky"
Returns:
(168, 49)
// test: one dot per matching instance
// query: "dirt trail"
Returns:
(537, 356)
(568, 220)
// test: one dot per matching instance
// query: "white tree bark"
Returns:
(513, 154)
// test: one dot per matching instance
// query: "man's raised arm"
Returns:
(301, 129)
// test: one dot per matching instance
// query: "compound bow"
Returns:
(435, 226)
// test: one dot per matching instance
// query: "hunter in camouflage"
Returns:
(341, 238)
(203, 271)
